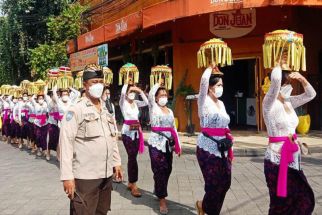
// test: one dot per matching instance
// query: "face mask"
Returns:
(65, 98)
(286, 91)
(108, 96)
(163, 101)
(25, 98)
(96, 90)
(218, 91)
(131, 96)
(40, 101)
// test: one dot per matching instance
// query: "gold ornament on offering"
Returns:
(284, 43)
(65, 79)
(40, 85)
(108, 75)
(52, 76)
(78, 83)
(32, 89)
(130, 73)
(214, 51)
(18, 92)
(5, 89)
(161, 72)
(24, 84)
(12, 90)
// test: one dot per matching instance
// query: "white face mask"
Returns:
(163, 101)
(96, 90)
(131, 96)
(286, 91)
(218, 91)
(25, 98)
(41, 101)
(65, 98)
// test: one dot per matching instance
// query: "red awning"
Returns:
(123, 26)
(171, 10)
(91, 38)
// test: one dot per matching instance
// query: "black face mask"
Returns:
(109, 106)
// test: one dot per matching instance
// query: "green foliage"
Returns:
(5, 55)
(68, 24)
(61, 29)
(23, 27)
(47, 56)
(182, 90)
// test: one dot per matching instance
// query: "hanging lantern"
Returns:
(78, 83)
(5, 89)
(284, 44)
(65, 79)
(130, 73)
(161, 72)
(52, 76)
(108, 76)
(40, 85)
(214, 51)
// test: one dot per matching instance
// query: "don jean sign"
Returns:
(233, 24)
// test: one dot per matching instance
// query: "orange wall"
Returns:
(190, 33)
(114, 10)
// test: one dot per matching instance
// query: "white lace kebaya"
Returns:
(131, 112)
(210, 116)
(159, 119)
(278, 122)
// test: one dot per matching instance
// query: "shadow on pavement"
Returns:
(150, 200)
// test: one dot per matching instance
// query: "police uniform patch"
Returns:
(69, 115)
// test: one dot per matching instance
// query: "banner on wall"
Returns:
(233, 24)
(96, 55)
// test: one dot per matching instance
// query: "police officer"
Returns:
(89, 150)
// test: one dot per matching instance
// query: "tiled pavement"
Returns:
(31, 186)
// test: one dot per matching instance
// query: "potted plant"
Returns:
(184, 90)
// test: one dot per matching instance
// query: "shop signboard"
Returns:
(95, 55)
(233, 24)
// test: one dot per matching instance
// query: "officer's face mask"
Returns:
(96, 90)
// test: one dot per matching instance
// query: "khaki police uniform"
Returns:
(89, 151)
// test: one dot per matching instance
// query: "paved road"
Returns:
(30, 186)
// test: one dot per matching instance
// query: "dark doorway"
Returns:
(240, 93)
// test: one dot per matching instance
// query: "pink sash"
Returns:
(287, 151)
(174, 134)
(219, 132)
(42, 118)
(32, 115)
(141, 139)
(56, 116)
(6, 112)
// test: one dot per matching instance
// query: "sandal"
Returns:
(135, 191)
(199, 209)
(163, 211)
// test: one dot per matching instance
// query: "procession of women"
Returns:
(32, 114)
